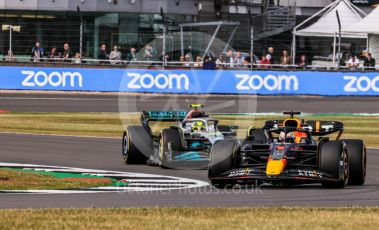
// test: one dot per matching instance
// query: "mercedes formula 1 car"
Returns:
(284, 152)
(184, 144)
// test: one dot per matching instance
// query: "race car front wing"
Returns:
(300, 176)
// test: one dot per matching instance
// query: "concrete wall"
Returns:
(48, 4)
(22, 5)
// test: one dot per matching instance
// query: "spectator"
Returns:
(149, 55)
(54, 55)
(37, 52)
(363, 55)
(115, 56)
(199, 62)
(303, 62)
(208, 63)
(67, 55)
(344, 58)
(353, 62)
(229, 59)
(187, 60)
(247, 60)
(181, 60)
(220, 62)
(154, 54)
(265, 62)
(239, 59)
(132, 56)
(167, 58)
(103, 55)
(370, 62)
(78, 58)
(271, 56)
(189, 56)
(285, 59)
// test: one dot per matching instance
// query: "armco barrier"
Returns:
(190, 81)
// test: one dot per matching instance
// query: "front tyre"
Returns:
(137, 145)
(356, 150)
(222, 159)
(125, 147)
(170, 144)
(334, 161)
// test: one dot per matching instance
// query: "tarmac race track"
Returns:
(64, 102)
(105, 154)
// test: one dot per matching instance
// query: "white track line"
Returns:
(144, 183)
(373, 148)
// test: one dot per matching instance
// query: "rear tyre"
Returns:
(137, 145)
(222, 159)
(169, 145)
(357, 161)
(334, 161)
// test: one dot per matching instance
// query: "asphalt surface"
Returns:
(102, 153)
(24, 102)
(105, 154)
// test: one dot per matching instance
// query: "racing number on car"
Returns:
(308, 173)
(244, 172)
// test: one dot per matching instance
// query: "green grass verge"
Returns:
(192, 218)
(111, 124)
(11, 179)
(80, 124)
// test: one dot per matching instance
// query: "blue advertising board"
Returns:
(190, 81)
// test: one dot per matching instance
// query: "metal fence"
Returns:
(157, 64)
(56, 30)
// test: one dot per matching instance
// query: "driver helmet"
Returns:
(198, 126)
(290, 137)
(295, 136)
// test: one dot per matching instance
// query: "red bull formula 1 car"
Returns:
(284, 152)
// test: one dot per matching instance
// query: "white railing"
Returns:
(175, 65)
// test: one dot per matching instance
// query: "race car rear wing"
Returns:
(168, 116)
(322, 128)
(315, 127)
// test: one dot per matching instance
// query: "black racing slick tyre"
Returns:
(137, 145)
(169, 145)
(356, 150)
(222, 159)
(334, 161)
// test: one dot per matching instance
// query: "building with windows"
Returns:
(134, 23)
(126, 23)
